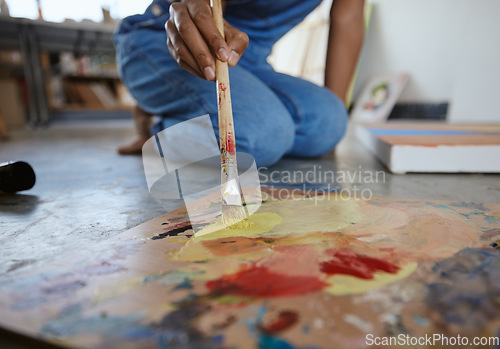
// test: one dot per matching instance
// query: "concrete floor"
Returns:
(86, 193)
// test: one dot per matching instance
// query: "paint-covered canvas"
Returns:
(324, 271)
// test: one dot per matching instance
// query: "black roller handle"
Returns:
(16, 176)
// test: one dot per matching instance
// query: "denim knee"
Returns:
(323, 127)
(267, 139)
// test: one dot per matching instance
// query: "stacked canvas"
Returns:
(434, 147)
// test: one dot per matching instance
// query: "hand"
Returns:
(194, 40)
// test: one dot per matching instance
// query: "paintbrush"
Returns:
(232, 204)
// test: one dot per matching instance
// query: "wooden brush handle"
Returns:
(226, 126)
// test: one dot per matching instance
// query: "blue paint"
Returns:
(467, 287)
(172, 277)
(471, 205)
(64, 288)
(491, 219)
(185, 285)
(421, 321)
(271, 342)
(72, 323)
(137, 333)
(410, 132)
(443, 207)
(28, 303)
(37, 290)
(175, 330)
(267, 341)
(260, 314)
(218, 339)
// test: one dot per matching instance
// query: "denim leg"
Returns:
(319, 115)
(263, 125)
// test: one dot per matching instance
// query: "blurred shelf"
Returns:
(101, 76)
(34, 37)
(11, 69)
(90, 113)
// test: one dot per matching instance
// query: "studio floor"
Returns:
(86, 193)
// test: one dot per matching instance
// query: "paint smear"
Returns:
(350, 263)
(174, 231)
(230, 146)
(346, 285)
(284, 321)
(467, 288)
(258, 281)
(116, 289)
(234, 245)
(260, 223)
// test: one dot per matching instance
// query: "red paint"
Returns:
(350, 263)
(222, 87)
(230, 146)
(256, 281)
(285, 320)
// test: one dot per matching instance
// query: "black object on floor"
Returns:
(16, 176)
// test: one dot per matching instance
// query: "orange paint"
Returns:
(233, 245)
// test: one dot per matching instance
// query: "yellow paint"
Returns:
(328, 213)
(242, 224)
(229, 300)
(116, 289)
(259, 223)
(346, 284)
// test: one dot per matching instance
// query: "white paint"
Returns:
(364, 326)
(318, 323)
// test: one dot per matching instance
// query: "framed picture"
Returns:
(378, 97)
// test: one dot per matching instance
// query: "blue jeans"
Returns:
(274, 114)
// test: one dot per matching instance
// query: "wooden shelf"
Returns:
(39, 41)
(103, 76)
(79, 109)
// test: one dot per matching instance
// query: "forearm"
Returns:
(344, 45)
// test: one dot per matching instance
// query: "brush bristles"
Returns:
(233, 214)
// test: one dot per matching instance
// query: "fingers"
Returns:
(188, 42)
(201, 14)
(194, 40)
(181, 53)
(237, 42)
